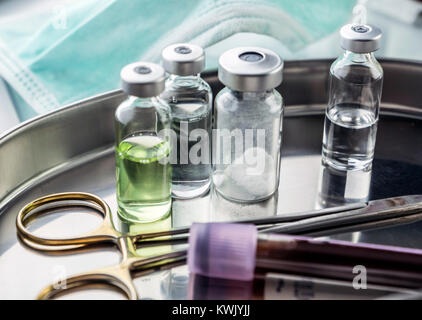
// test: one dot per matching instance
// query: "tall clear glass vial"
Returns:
(248, 118)
(190, 98)
(354, 96)
(143, 146)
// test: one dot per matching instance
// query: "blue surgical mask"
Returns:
(74, 51)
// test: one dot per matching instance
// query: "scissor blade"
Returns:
(181, 234)
(376, 210)
(292, 217)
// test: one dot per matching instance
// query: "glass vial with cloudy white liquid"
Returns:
(248, 118)
(143, 146)
(351, 118)
(190, 98)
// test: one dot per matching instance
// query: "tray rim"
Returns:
(295, 110)
(291, 64)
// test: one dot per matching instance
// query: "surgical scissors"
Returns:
(120, 276)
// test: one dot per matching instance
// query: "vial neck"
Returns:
(143, 101)
(249, 95)
(361, 58)
(184, 81)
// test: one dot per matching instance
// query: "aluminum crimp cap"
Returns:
(250, 69)
(360, 38)
(143, 79)
(183, 59)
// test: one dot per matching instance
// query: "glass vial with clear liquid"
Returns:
(189, 98)
(143, 145)
(248, 118)
(354, 97)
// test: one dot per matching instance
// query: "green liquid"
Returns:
(143, 178)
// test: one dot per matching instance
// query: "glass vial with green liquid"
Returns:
(143, 146)
(189, 98)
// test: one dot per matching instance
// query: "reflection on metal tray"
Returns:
(72, 150)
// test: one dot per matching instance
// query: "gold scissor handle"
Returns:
(103, 233)
(116, 278)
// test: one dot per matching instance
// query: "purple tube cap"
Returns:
(223, 250)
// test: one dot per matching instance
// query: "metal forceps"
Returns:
(131, 265)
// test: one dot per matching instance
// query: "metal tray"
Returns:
(71, 149)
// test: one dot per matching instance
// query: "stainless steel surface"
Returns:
(72, 150)
(360, 38)
(143, 79)
(250, 69)
(183, 59)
